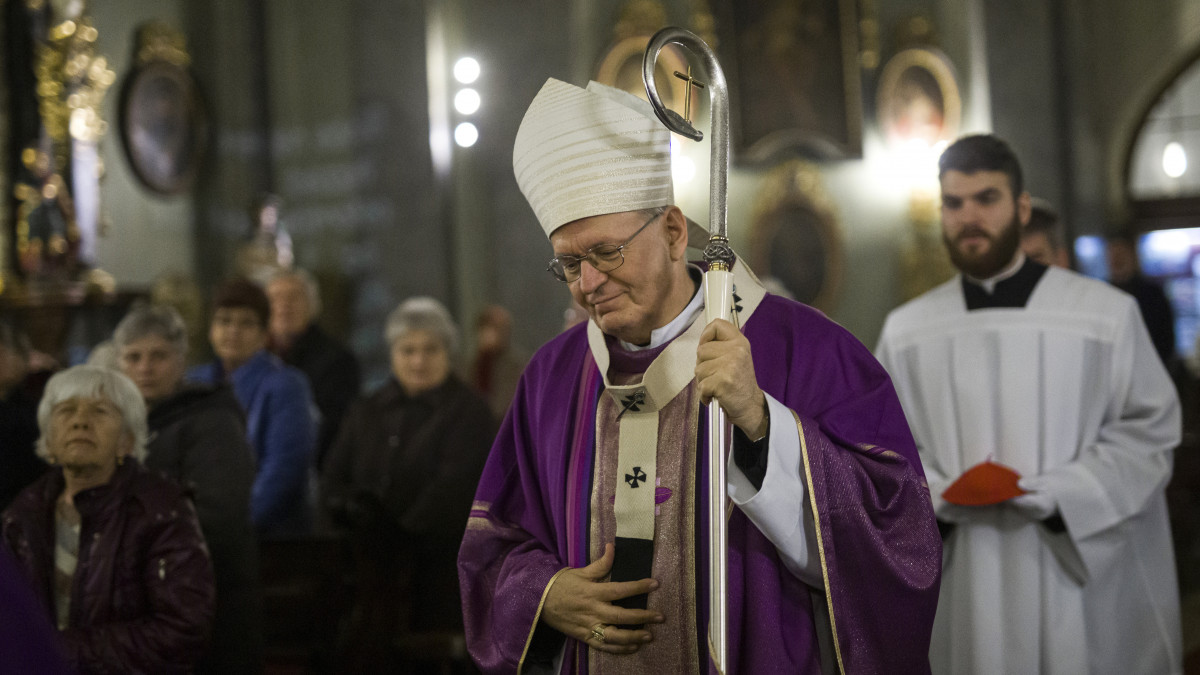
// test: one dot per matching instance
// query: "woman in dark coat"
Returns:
(401, 476)
(114, 551)
(198, 438)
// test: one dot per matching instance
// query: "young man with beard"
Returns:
(1053, 375)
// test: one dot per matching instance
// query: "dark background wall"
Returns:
(330, 106)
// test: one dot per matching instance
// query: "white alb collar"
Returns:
(989, 284)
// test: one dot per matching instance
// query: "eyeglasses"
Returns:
(603, 257)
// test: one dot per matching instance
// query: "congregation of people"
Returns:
(139, 497)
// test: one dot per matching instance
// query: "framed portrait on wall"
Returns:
(794, 78)
(795, 237)
(164, 128)
(918, 98)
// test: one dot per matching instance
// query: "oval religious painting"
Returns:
(163, 126)
(796, 241)
(918, 98)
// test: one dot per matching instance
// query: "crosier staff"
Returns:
(718, 296)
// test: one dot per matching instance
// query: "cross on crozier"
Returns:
(687, 92)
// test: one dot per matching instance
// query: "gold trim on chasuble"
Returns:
(812, 500)
(475, 522)
(537, 616)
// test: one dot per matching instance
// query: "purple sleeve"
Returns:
(27, 638)
(503, 568)
(516, 539)
(879, 548)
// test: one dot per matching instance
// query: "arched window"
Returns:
(1163, 171)
(1162, 183)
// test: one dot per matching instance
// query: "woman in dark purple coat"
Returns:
(114, 551)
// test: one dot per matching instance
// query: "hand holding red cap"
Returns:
(984, 484)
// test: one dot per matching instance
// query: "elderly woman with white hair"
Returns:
(113, 550)
(401, 476)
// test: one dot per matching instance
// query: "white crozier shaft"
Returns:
(718, 304)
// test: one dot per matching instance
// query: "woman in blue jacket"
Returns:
(280, 415)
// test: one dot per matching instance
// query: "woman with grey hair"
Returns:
(115, 549)
(401, 476)
(198, 438)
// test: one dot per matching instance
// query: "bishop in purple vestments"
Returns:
(834, 556)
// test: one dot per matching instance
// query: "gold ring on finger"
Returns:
(598, 632)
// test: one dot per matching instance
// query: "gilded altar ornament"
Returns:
(71, 83)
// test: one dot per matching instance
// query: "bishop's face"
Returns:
(981, 221)
(644, 292)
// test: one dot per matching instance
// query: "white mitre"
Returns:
(588, 152)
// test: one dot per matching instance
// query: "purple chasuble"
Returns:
(880, 554)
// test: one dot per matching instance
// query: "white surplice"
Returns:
(1068, 389)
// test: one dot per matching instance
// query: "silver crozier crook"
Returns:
(718, 297)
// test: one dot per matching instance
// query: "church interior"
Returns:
(157, 148)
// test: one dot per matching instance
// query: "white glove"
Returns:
(1036, 504)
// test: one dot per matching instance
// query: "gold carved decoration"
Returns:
(868, 35)
(621, 64)
(924, 263)
(795, 237)
(71, 81)
(639, 17)
(159, 41)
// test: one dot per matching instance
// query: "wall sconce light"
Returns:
(466, 70)
(1174, 160)
(466, 135)
(466, 100)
